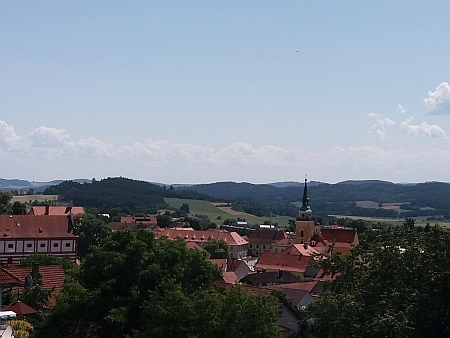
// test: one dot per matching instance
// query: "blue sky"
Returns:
(204, 91)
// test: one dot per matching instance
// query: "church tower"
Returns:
(304, 225)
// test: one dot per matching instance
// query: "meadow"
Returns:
(213, 211)
(32, 198)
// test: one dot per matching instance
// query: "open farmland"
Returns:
(420, 221)
(32, 198)
(212, 211)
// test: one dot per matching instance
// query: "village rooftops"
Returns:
(199, 236)
(50, 210)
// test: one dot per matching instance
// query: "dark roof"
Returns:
(267, 235)
(266, 278)
(339, 235)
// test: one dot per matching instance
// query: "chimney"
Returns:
(47, 209)
(35, 270)
(280, 274)
(305, 245)
(6, 232)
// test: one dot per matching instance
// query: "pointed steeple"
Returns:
(305, 202)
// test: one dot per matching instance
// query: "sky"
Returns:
(208, 91)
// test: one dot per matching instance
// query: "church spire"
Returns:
(305, 202)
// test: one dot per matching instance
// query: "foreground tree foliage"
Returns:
(395, 284)
(134, 285)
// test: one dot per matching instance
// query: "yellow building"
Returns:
(308, 231)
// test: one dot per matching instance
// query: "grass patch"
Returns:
(32, 198)
(208, 208)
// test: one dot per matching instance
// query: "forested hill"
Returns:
(339, 198)
(126, 195)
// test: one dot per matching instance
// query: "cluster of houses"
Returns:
(267, 259)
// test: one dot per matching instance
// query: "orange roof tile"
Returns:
(29, 226)
(199, 236)
(54, 210)
(8, 278)
(52, 276)
(300, 250)
(280, 261)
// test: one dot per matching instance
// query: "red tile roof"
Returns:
(19, 308)
(267, 236)
(147, 220)
(52, 276)
(280, 261)
(230, 277)
(199, 236)
(54, 210)
(300, 250)
(339, 235)
(29, 226)
(8, 278)
(221, 263)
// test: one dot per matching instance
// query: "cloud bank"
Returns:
(49, 153)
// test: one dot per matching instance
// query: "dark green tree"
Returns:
(117, 279)
(5, 199)
(19, 208)
(185, 207)
(92, 231)
(217, 248)
(394, 284)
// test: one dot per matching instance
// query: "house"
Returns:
(300, 298)
(334, 240)
(24, 235)
(40, 210)
(262, 240)
(297, 259)
(238, 245)
(232, 270)
(140, 222)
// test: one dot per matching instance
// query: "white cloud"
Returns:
(169, 162)
(401, 109)
(379, 128)
(422, 130)
(9, 140)
(45, 137)
(438, 102)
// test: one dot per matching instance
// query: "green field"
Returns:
(420, 221)
(32, 198)
(207, 208)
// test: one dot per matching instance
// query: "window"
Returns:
(302, 233)
(264, 247)
(257, 246)
(55, 245)
(10, 246)
(42, 245)
(67, 245)
(29, 245)
(338, 253)
(251, 246)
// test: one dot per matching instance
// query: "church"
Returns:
(334, 239)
